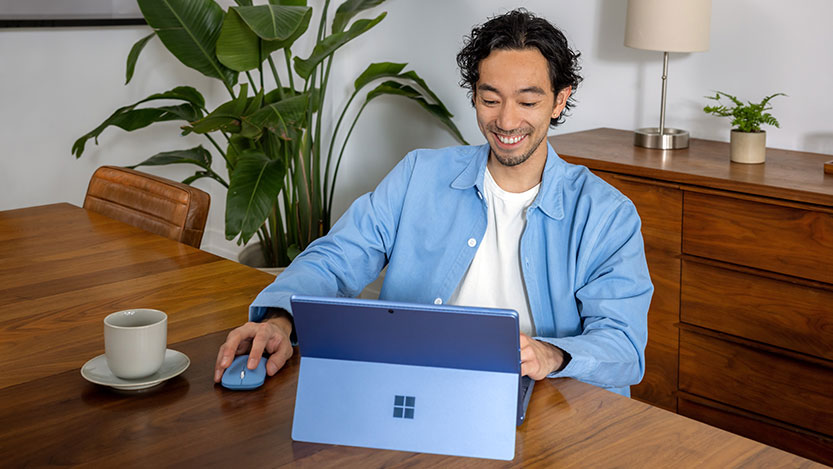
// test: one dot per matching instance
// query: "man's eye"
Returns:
(528, 104)
(489, 102)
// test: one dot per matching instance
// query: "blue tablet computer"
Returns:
(410, 377)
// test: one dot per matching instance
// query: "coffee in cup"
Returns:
(135, 341)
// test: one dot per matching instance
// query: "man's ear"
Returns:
(561, 101)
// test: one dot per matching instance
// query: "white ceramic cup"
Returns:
(135, 341)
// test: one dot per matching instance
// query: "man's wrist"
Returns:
(565, 359)
(282, 319)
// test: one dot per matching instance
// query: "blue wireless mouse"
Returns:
(240, 378)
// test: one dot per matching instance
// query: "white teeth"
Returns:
(510, 140)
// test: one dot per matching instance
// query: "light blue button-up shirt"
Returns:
(582, 256)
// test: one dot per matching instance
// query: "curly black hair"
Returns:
(520, 29)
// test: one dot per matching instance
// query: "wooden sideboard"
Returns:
(740, 330)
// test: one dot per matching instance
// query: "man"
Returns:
(507, 224)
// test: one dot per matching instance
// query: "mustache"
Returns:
(510, 133)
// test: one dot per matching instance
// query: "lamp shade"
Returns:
(668, 25)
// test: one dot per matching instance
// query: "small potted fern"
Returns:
(747, 143)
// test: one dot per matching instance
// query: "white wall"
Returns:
(56, 84)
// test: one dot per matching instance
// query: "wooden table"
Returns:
(62, 269)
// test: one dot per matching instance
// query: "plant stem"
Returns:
(317, 151)
(251, 82)
(217, 178)
(323, 22)
(287, 56)
(333, 141)
(214, 142)
(341, 154)
(277, 77)
(229, 88)
(260, 64)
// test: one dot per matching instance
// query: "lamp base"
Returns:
(671, 139)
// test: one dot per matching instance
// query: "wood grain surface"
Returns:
(190, 422)
(63, 269)
(777, 312)
(759, 428)
(789, 175)
(51, 416)
(747, 377)
(780, 239)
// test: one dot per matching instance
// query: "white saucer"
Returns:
(96, 371)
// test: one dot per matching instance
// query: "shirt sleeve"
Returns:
(351, 255)
(613, 305)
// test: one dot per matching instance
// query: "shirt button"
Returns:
(438, 301)
(472, 242)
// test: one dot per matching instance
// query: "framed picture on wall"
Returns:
(57, 13)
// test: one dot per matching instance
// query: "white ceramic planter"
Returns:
(252, 256)
(747, 147)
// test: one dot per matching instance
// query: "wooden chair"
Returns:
(152, 203)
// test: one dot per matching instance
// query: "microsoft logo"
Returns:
(403, 407)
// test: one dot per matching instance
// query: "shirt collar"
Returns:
(550, 196)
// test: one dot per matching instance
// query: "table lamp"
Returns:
(666, 26)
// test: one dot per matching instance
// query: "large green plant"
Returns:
(281, 179)
(745, 117)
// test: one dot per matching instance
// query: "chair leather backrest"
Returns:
(152, 203)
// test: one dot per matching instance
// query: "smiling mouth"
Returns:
(510, 140)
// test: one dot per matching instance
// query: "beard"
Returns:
(510, 160)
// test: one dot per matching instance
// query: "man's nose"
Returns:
(508, 117)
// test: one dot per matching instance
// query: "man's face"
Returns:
(514, 102)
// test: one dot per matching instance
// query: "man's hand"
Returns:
(539, 359)
(271, 335)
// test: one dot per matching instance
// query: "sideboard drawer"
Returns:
(783, 314)
(765, 383)
(771, 237)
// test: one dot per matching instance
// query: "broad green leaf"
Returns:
(253, 192)
(272, 145)
(292, 251)
(133, 56)
(226, 116)
(412, 75)
(273, 22)
(347, 10)
(378, 70)
(328, 45)
(185, 112)
(250, 34)
(272, 46)
(289, 3)
(129, 118)
(398, 89)
(184, 93)
(278, 117)
(254, 104)
(198, 156)
(243, 3)
(238, 48)
(189, 29)
(236, 146)
(273, 96)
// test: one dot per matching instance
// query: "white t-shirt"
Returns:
(494, 277)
